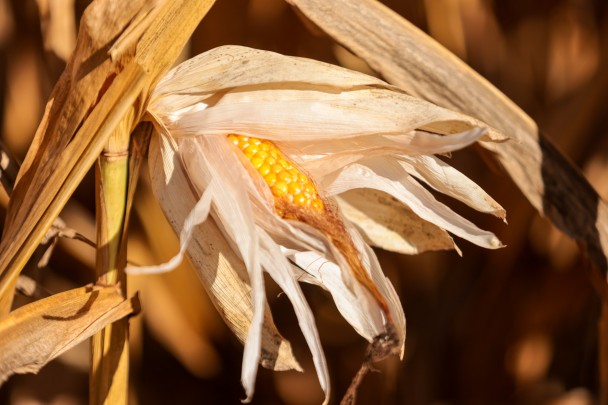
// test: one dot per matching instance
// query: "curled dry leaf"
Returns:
(36, 333)
(264, 143)
(410, 59)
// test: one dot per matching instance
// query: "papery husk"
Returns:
(220, 270)
(388, 224)
(309, 107)
(325, 119)
(410, 59)
(305, 105)
(35, 334)
(280, 83)
(380, 173)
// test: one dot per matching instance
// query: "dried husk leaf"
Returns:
(36, 333)
(222, 273)
(408, 58)
(323, 117)
(388, 224)
(279, 83)
(122, 50)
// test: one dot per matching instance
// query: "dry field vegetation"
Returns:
(83, 93)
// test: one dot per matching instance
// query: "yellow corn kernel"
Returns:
(295, 188)
(256, 162)
(251, 150)
(279, 189)
(264, 170)
(285, 181)
(276, 168)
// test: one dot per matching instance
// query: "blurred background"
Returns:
(514, 326)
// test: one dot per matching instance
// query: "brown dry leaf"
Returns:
(36, 333)
(410, 59)
(123, 48)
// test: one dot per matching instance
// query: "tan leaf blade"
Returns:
(36, 333)
(410, 59)
(122, 50)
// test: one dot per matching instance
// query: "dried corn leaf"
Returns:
(36, 333)
(122, 50)
(410, 59)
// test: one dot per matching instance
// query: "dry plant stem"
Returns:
(138, 149)
(110, 347)
(350, 396)
(123, 48)
(55, 197)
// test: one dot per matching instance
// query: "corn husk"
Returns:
(219, 269)
(344, 129)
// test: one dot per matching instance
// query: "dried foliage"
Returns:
(35, 334)
(527, 312)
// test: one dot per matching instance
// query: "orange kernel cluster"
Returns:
(285, 180)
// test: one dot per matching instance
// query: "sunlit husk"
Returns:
(347, 131)
(220, 270)
(388, 224)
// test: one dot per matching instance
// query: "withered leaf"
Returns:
(123, 48)
(36, 333)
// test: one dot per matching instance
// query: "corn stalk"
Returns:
(110, 347)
